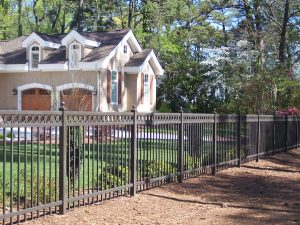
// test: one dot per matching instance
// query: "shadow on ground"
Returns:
(267, 192)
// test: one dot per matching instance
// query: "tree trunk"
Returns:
(20, 27)
(80, 16)
(259, 33)
(281, 56)
(249, 21)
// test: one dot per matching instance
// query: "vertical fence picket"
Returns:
(62, 162)
(181, 150)
(215, 145)
(297, 131)
(258, 138)
(286, 132)
(133, 157)
(239, 140)
(274, 134)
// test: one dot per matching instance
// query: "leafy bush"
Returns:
(157, 168)
(74, 159)
(111, 175)
(8, 135)
(1, 189)
(50, 182)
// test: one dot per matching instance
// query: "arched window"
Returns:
(74, 55)
(34, 57)
(114, 87)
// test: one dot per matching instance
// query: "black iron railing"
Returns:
(54, 161)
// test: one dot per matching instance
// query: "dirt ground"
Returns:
(267, 192)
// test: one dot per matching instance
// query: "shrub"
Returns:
(111, 175)
(74, 159)
(157, 168)
(50, 182)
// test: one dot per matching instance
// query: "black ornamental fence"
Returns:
(54, 161)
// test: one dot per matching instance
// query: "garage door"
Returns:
(77, 99)
(36, 99)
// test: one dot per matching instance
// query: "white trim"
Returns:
(90, 66)
(152, 56)
(74, 35)
(74, 86)
(33, 37)
(13, 68)
(30, 86)
(53, 67)
(136, 69)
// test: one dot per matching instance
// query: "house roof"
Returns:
(138, 58)
(57, 56)
(11, 52)
(109, 40)
(103, 45)
(54, 38)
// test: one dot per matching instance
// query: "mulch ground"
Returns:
(267, 192)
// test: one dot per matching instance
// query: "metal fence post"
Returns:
(286, 131)
(215, 145)
(180, 176)
(297, 131)
(133, 158)
(258, 138)
(62, 161)
(274, 133)
(239, 141)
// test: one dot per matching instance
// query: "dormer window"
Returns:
(34, 57)
(74, 55)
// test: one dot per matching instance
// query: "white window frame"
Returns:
(71, 60)
(34, 52)
(114, 82)
(146, 89)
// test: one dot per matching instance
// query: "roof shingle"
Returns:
(12, 52)
(138, 58)
(57, 56)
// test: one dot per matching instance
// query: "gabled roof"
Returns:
(138, 62)
(109, 40)
(139, 58)
(54, 38)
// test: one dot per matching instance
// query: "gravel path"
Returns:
(267, 192)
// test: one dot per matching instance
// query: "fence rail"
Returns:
(54, 161)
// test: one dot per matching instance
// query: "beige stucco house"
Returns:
(99, 71)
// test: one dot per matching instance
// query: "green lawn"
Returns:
(104, 165)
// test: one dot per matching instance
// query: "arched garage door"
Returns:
(77, 99)
(36, 99)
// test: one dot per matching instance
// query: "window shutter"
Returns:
(120, 88)
(142, 87)
(151, 89)
(108, 86)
